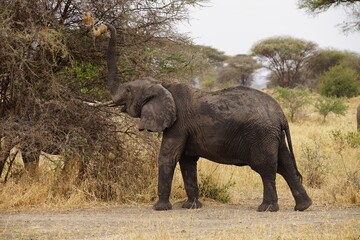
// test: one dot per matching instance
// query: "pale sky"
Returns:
(234, 26)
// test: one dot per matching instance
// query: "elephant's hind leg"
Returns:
(188, 166)
(287, 169)
(270, 200)
(267, 171)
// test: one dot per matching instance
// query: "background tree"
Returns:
(324, 59)
(293, 100)
(238, 70)
(215, 57)
(212, 61)
(351, 6)
(326, 105)
(339, 81)
(285, 57)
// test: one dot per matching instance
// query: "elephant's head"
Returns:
(145, 99)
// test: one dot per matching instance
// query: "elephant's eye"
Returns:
(127, 90)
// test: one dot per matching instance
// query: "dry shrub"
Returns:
(126, 176)
(211, 189)
(41, 112)
(41, 84)
(108, 171)
(315, 164)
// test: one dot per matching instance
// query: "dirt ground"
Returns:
(213, 221)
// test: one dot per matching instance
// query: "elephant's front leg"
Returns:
(188, 166)
(170, 152)
(166, 173)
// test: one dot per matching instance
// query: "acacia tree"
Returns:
(41, 38)
(48, 62)
(238, 70)
(293, 99)
(351, 6)
(285, 57)
(212, 60)
(326, 105)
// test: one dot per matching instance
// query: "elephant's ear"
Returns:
(158, 111)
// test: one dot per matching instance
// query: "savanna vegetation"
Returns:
(50, 65)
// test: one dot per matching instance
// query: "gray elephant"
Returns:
(238, 126)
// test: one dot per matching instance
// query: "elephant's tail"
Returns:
(289, 142)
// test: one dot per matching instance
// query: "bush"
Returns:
(326, 105)
(208, 188)
(343, 140)
(117, 165)
(293, 99)
(353, 139)
(315, 165)
(339, 81)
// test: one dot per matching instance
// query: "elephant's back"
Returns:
(243, 103)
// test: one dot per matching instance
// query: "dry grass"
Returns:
(337, 177)
(338, 160)
(45, 191)
(83, 182)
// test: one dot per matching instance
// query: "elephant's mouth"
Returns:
(123, 107)
(132, 110)
(122, 104)
(129, 109)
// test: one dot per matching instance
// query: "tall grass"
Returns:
(338, 154)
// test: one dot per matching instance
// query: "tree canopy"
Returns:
(238, 70)
(220, 70)
(324, 59)
(339, 81)
(351, 6)
(285, 57)
(316, 5)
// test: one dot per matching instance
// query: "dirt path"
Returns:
(214, 221)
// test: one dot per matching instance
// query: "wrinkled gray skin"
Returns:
(238, 126)
(358, 118)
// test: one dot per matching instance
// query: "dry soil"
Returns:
(213, 221)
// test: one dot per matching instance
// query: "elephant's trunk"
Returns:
(113, 81)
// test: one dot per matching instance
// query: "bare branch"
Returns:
(101, 104)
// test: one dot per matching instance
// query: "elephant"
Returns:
(237, 126)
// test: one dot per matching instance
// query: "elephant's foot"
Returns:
(162, 205)
(301, 206)
(192, 204)
(268, 207)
